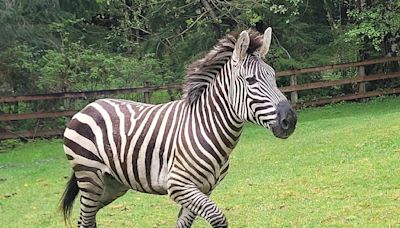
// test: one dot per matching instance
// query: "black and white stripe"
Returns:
(180, 148)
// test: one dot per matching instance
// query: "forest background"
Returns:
(65, 45)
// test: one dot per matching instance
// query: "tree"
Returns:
(375, 24)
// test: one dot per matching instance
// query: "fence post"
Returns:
(361, 85)
(147, 95)
(293, 95)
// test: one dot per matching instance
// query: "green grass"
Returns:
(341, 168)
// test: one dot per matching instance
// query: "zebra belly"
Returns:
(151, 180)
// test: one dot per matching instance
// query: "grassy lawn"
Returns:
(341, 168)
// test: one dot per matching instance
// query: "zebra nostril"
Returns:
(285, 124)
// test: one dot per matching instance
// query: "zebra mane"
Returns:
(202, 72)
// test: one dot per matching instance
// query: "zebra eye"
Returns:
(251, 80)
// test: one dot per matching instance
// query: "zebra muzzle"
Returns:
(286, 120)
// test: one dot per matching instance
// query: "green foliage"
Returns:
(17, 69)
(77, 69)
(373, 23)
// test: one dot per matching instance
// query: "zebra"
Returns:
(181, 148)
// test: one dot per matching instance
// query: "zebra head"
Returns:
(254, 94)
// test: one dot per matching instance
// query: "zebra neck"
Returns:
(217, 114)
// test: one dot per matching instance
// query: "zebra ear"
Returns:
(266, 42)
(241, 46)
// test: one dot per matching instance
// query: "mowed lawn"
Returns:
(341, 168)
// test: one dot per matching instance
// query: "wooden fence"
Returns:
(361, 78)
(293, 89)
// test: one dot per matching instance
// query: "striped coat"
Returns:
(137, 142)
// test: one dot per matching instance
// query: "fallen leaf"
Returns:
(8, 195)
(118, 206)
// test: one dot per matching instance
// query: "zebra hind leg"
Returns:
(97, 190)
(185, 218)
(198, 203)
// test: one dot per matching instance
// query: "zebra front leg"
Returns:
(185, 218)
(196, 202)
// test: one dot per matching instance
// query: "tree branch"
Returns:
(189, 27)
(279, 44)
(210, 10)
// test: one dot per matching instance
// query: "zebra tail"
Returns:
(67, 199)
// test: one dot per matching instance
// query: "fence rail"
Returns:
(337, 66)
(350, 97)
(31, 134)
(293, 89)
(39, 115)
(87, 94)
(330, 83)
